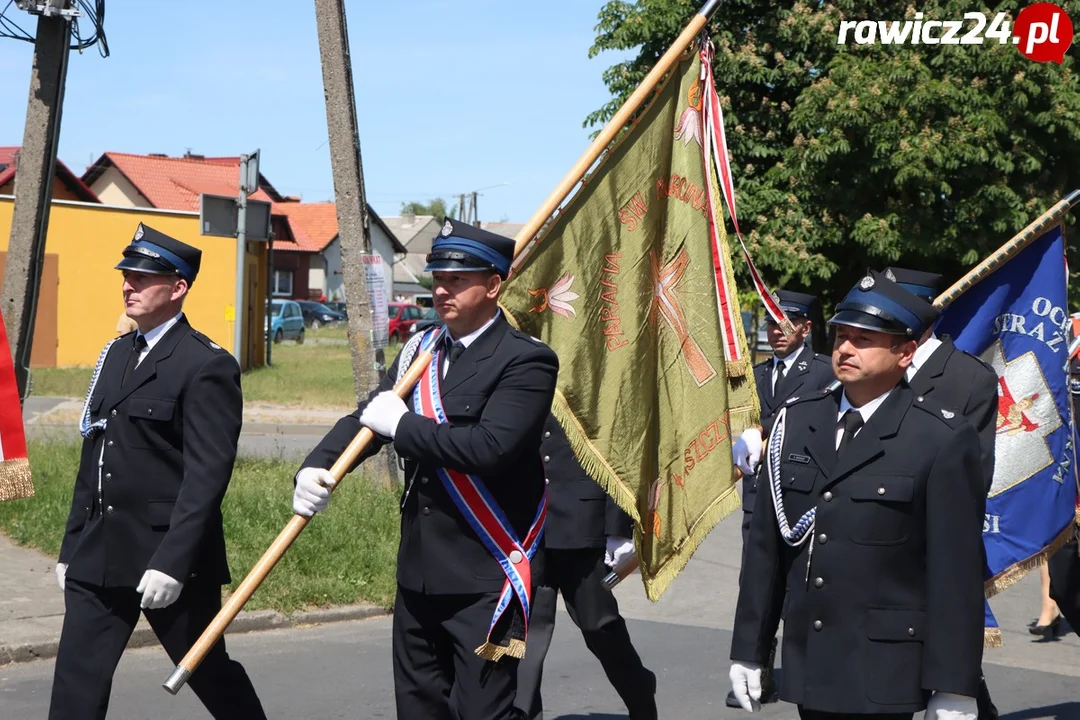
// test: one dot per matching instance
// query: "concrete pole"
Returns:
(33, 192)
(351, 202)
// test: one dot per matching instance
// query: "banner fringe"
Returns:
(15, 480)
(992, 638)
(1014, 573)
(656, 584)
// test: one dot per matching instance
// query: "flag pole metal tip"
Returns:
(709, 8)
(611, 580)
(177, 680)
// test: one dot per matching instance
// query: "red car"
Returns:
(402, 317)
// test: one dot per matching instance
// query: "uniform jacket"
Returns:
(497, 396)
(810, 372)
(162, 464)
(963, 382)
(580, 513)
(891, 607)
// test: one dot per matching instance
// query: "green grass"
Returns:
(309, 375)
(60, 382)
(347, 554)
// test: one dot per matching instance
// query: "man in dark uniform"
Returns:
(959, 381)
(161, 426)
(867, 535)
(793, 370)
(1064, 565)
(493, 397)
(951, 376)
(587, 535)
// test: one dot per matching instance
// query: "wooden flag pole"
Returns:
(1009, 250)
(213, 632)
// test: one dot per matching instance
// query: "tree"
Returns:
(854, 156)
(436, 207)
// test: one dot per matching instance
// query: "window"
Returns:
(412, 313)
(282, 282)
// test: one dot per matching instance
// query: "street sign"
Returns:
(249, 183)
(218, 215)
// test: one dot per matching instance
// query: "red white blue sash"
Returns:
(484, 515)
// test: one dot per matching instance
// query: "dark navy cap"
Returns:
(918, 283)
(155, 253)
(876, 303)
(797, 303)
(461, 246)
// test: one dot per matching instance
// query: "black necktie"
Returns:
(781, 368)
(852, 422)
(133, 358)
(454, 350)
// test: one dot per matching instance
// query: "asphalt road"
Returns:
(343, 670)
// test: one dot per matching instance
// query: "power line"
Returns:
(94, 14)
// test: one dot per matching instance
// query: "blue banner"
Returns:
(1017, 320)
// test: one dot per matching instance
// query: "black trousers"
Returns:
(97, 625)
(437, 673)
(818, 715)
(1065, 583)
(578, 574)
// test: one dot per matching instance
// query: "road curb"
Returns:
(247, 622)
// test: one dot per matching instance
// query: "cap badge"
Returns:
(889, 274)
(139, 232)
(866, 283)
(447, 229)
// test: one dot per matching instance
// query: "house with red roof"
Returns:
(66, 184)
(306, 248)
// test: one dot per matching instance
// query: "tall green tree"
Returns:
(436, 207)
(848, 156)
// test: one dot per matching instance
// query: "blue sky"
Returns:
(453, 95)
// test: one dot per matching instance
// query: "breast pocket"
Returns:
(884, 509)
(151, 420)
(464, 409)
(796, 488)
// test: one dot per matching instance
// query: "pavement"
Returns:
(685, 637)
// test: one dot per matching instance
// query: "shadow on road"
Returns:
(1061, 711)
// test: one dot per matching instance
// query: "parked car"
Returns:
(337, 307)
(402, 317)
(426, 315)
(316, 314)
(286, 321)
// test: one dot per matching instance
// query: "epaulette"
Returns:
(812, 395)
(826, 359)
(525, 336)
(952, 418)
(206, 341)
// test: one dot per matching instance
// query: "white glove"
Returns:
(384, 413)
(312, 492)
(158, 590)
(616, 548)
(746, 684)
(61, 573)
(950, 706)
(746, 452)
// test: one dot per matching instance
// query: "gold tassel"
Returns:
(15, 480)
(736, 368)
(1013, 574)
(495, 653)
(992, 638)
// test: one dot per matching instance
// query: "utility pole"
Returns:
(475, 216)
(353, 228)
(33, 189)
